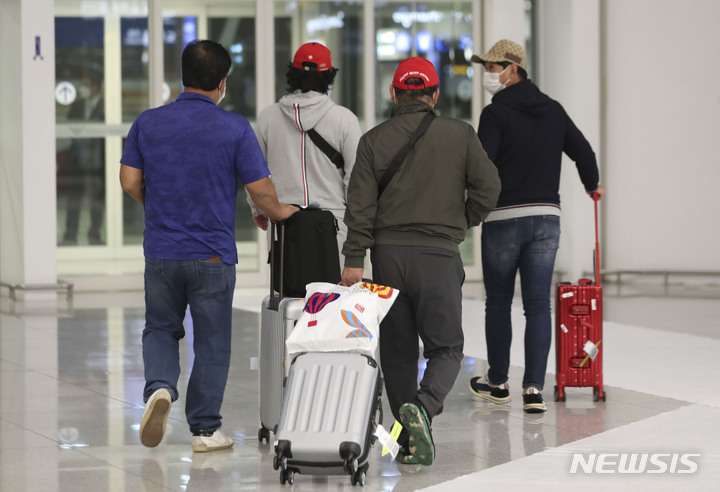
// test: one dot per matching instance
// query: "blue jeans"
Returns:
(527, 245)
(207, 287)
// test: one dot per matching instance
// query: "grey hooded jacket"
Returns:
(301, 172)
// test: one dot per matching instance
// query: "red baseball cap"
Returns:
(415, 67)
(312, 53)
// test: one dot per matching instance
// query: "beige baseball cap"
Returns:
(503, 51)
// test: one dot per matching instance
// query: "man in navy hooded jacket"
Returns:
(524, 133)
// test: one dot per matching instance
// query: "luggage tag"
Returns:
(591, 349)
(389, 440)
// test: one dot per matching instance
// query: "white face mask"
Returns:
(222, 94)
(491, 82)
(84, 92)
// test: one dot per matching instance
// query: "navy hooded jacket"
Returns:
(525, 132)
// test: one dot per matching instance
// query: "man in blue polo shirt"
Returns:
(183, 162)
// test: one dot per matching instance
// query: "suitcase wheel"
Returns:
(558, 395)
(280, 463)
(358, 478)
(263, 435)
(351, 465)
(287, 476)
(596, 394)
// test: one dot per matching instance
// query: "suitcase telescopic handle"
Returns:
(273, 266)
(596, 198)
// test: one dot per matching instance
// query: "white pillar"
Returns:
(156, 58)
(502, 19)
(369, 68)
(27, 202)
(265, 52)
(27, 143)
(568, 59)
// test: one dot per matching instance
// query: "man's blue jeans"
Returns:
(207, 287)
(527, 245)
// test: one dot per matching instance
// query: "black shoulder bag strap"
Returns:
(400, 156)
(335, 156)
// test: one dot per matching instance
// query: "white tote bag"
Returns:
(341, 319)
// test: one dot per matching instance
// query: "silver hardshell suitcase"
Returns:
(331, 409)
(277, 319)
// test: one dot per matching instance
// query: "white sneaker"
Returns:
(214, 442)
(154, 420)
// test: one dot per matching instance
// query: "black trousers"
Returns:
(429, 307)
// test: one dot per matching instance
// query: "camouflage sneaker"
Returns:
(405, 457)
(417, 423)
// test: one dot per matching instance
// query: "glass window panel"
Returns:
(81, 191)
(442, 33)
(177, 33)
(237, 34)
(337, 25)
(438, 31)
(79, 68)
(133, 218)
(80, 103)
(134, 59)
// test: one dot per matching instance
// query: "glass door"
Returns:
(102, 85)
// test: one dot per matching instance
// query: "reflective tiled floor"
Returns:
(71, 382)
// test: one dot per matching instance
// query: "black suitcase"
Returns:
(310, 251)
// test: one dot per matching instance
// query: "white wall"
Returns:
(661, 133)
(568, 59)
(639, 78)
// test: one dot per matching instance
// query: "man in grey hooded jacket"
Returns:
(301, 172)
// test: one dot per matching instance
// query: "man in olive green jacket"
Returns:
(445, 185)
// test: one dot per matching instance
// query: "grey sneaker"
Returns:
(481, 387)
(154, 420)
(533, 401)
(204, 441)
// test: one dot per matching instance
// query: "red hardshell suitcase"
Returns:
(578, 332)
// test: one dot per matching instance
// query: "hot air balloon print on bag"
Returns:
(360, 330)
(316, 303)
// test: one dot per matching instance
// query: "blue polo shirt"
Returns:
(192, 154)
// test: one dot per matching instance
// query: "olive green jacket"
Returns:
(445, 185)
